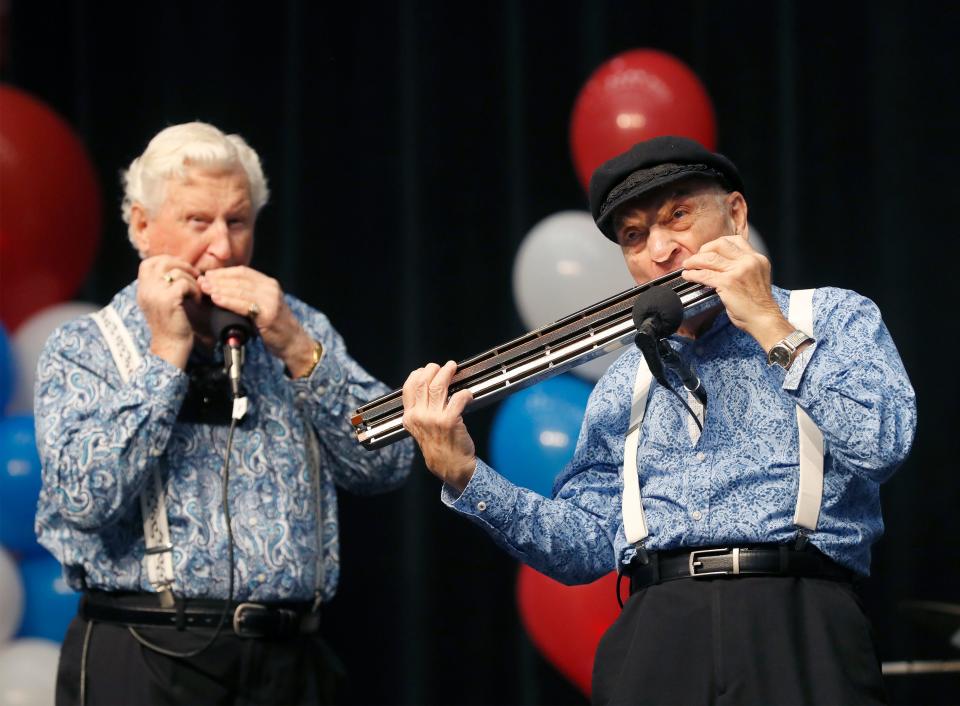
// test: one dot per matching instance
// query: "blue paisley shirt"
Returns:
(100, 439)
(737, 481)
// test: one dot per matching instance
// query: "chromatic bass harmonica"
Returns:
(539, 355)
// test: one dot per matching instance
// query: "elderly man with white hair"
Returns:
(199, 520)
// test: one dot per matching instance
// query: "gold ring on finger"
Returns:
(253, 310)
(168, 278)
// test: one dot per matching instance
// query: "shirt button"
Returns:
(262, 578)
(701, 455)
(696, 515)
(253, 521)
(481, 506)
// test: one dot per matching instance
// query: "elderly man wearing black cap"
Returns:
(741, 539)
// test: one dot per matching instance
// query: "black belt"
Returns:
(269, 620)
(710, 562)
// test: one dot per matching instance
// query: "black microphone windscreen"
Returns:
(660, 305)
(223, 322)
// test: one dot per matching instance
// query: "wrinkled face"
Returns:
(206, 219)
(660, 230)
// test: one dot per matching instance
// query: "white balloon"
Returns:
(592, 370)
(563, 265)
(28, 342)
(11, 596)
(28, 672)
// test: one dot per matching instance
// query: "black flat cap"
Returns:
(649, 165)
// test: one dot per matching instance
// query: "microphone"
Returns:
(657, 313)
(233, 331)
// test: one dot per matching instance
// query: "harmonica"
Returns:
(534, 357)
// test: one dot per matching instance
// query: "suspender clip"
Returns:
(159, 549)
(642, 556)
(166, 596)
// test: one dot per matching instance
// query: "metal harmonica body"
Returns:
(539, 355)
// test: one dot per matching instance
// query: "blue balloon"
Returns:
(6, 369)
(535, 431)
(50, 603)
(19, 485)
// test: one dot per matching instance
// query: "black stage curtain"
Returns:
(411, 145)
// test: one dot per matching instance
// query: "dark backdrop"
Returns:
(411, 145)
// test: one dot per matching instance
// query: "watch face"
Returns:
(779, 355)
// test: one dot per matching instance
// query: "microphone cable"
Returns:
(230, 553)
(657, 313)
(234, 341)
(691, 382)
(693, 414)
(652, 351)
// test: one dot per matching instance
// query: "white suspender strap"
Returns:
(634, 521)
(810, 490)
(156, 531)
(119, 341)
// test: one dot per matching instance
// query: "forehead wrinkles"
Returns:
(655, 206)
(193, 193)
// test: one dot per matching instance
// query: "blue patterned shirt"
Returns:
(737, 482)
(100, 439)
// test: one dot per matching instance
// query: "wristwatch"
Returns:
(317, 355)
(784, 351)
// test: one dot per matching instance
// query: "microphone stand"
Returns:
(646, 341)
(234, 331)
(690, 379)
(233, 341)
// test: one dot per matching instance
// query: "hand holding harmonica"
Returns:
(435, 421)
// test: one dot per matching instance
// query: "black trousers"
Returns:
(234, 670)
(744, 640)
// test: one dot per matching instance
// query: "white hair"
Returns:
(177, 147)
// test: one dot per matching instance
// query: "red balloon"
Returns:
(566, 622)
(634, 96)
(49, 208)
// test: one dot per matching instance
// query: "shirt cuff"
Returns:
(163, 381)
(488, 497)
(326, 377)
(795, 373)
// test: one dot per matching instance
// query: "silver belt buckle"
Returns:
(694, 562)
(239, 629)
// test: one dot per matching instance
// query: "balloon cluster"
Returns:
(565, 264)
(49, 230)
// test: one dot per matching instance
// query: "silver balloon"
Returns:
(28, 342)
(11, 596)
(565, 264)
(754, 238)
(28, 672)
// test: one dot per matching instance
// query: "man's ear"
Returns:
(738, 212)
(139, 227)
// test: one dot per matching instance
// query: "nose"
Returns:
(660, 245)
(219, 245)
